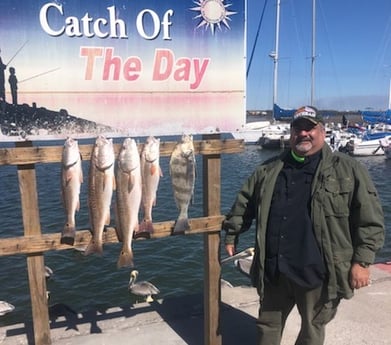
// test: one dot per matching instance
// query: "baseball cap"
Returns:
(307, 113)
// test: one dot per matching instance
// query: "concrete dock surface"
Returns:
(364, 319)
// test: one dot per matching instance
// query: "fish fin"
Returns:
(68, 176)
(94, 247)
(152, 169)
(81, 178)
(144, 230)
(114, 183)
(108, 219)
(125, 259)
(131, 183)
(119, 234)
(117, 226)
(181, 225)
(68, 234)
(62, 197)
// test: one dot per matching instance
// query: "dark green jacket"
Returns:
(346, 213)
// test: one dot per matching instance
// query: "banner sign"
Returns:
(153, 67)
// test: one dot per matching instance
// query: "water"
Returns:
(173, 264)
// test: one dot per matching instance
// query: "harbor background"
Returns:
(173, 264)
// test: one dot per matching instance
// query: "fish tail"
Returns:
(125, 259)
(68, 234)
(181, 225)
(94, 247)
(145, 229)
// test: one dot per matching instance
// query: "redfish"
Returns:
(128, 198)
(100, 190)
(71, 180)
(151, 173)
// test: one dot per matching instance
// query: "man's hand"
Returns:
(359, 276)
(230, 249)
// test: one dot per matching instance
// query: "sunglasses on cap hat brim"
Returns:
(305, 123)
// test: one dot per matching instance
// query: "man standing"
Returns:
(13, 81)
(319, 224)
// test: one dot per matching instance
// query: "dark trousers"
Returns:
(14, 94)
(279, 301)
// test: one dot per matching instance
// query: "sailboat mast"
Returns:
(313, 56)
(274, 55)
(389, 96)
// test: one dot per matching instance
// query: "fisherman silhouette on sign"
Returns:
(14, 85)
(2, 79)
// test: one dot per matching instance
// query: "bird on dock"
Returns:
(5, 308)
(242, 260)
(48, 272)
(142, 288)
(225, 283)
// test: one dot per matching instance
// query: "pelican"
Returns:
(249, 252)
(143, 288)
(225, 283)
(5, 308)
(244, 265)
(48, 272)
(242, 260)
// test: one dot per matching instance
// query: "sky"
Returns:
(352, 54)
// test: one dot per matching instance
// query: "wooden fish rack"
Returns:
(34, 243)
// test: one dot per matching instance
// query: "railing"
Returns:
(34, 243)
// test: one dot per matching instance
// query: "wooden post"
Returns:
(212, 269)
(35, 262)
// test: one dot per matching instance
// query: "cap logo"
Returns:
(304, 111)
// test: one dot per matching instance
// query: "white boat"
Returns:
(250, 131)
(275, 136)
(373, 147)
(387, 152)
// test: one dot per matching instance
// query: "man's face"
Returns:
(306, 137)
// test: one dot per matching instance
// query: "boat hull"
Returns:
(274, 143)
(375, 147)
(251, 131)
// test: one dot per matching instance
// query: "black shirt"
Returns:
(291, 247)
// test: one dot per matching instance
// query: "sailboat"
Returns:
(253, 132)
(250, 131)
(278, 134)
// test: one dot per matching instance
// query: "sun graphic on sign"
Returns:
(213, 13)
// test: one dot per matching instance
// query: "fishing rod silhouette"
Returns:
(40, 74)
(17, 52)
(34, 76)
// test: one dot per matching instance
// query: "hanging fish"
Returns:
(128, 198)
(151, 173)
(100, 190)
(182, 171)
(71, 180)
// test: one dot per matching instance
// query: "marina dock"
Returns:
(365, 319)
